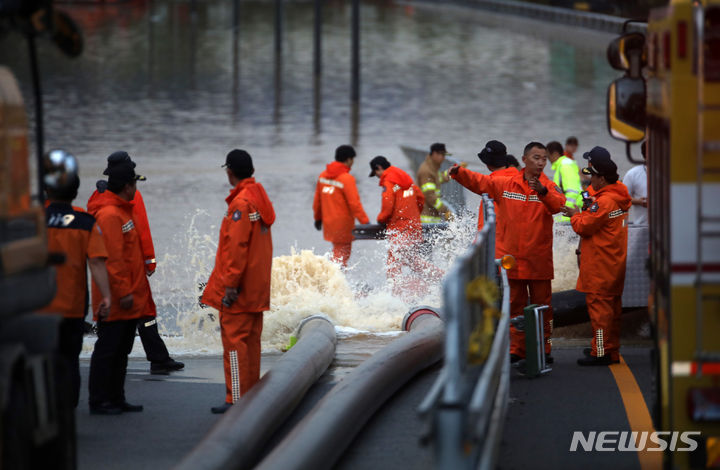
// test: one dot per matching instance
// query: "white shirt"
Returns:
(636, 182)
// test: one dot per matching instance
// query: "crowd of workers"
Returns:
(113, 238)
(527, 203)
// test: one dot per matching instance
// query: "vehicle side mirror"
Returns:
(62, 29)
(626, 109)
(627, 53)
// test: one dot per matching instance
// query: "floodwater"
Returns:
(179, 83)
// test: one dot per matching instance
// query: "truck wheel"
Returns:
(61, 452)
(16, 427)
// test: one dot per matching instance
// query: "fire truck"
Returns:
(669, 96)
(37, 428)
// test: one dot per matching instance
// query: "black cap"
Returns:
(440, 148)
(494, 154)
(118, 157)
(240, 162)
(512, 161)
(344, 152)
(122, 173)
(378, 161)
(596, 154)
(602, 167)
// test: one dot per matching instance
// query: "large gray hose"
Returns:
(322, 436)
(236, 441)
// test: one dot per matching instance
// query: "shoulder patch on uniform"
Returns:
(127, 226)
(236, 215)
(594, 207)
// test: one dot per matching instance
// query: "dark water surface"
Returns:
(178, 84)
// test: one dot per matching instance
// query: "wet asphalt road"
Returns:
(542, 415)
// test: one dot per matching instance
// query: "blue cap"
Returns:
(597, 154)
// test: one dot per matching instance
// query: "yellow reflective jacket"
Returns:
(567, 178)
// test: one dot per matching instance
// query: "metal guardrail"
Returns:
(468, 402)
(555, 14)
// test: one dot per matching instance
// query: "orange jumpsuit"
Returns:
(126, 274)
(402, 203)
(243, 261)
(140, 219)
(337, 204)
(500, 222)
(528, 236)
(125, 262)
(603, 255)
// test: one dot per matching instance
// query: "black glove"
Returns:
(318, 225)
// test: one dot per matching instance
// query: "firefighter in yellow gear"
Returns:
(430, 178)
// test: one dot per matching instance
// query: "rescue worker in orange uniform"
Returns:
(155, 350)
(597, 153)
(494, 156)
(402, 203)
(239, 286)
(526, 202)
(74, 233)
(602, 226)
(129, 289)
(337, 204)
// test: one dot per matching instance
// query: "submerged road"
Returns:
(542, 415)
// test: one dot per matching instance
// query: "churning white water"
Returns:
(359, 300)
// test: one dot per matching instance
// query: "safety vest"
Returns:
(73, 232)
(567, 178)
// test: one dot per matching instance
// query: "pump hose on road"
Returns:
(323, 435)
(236, 441)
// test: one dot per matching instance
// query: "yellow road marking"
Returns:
(636, 410)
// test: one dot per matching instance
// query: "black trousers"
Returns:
(108, 364)
(71, 338)
(154, 346)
